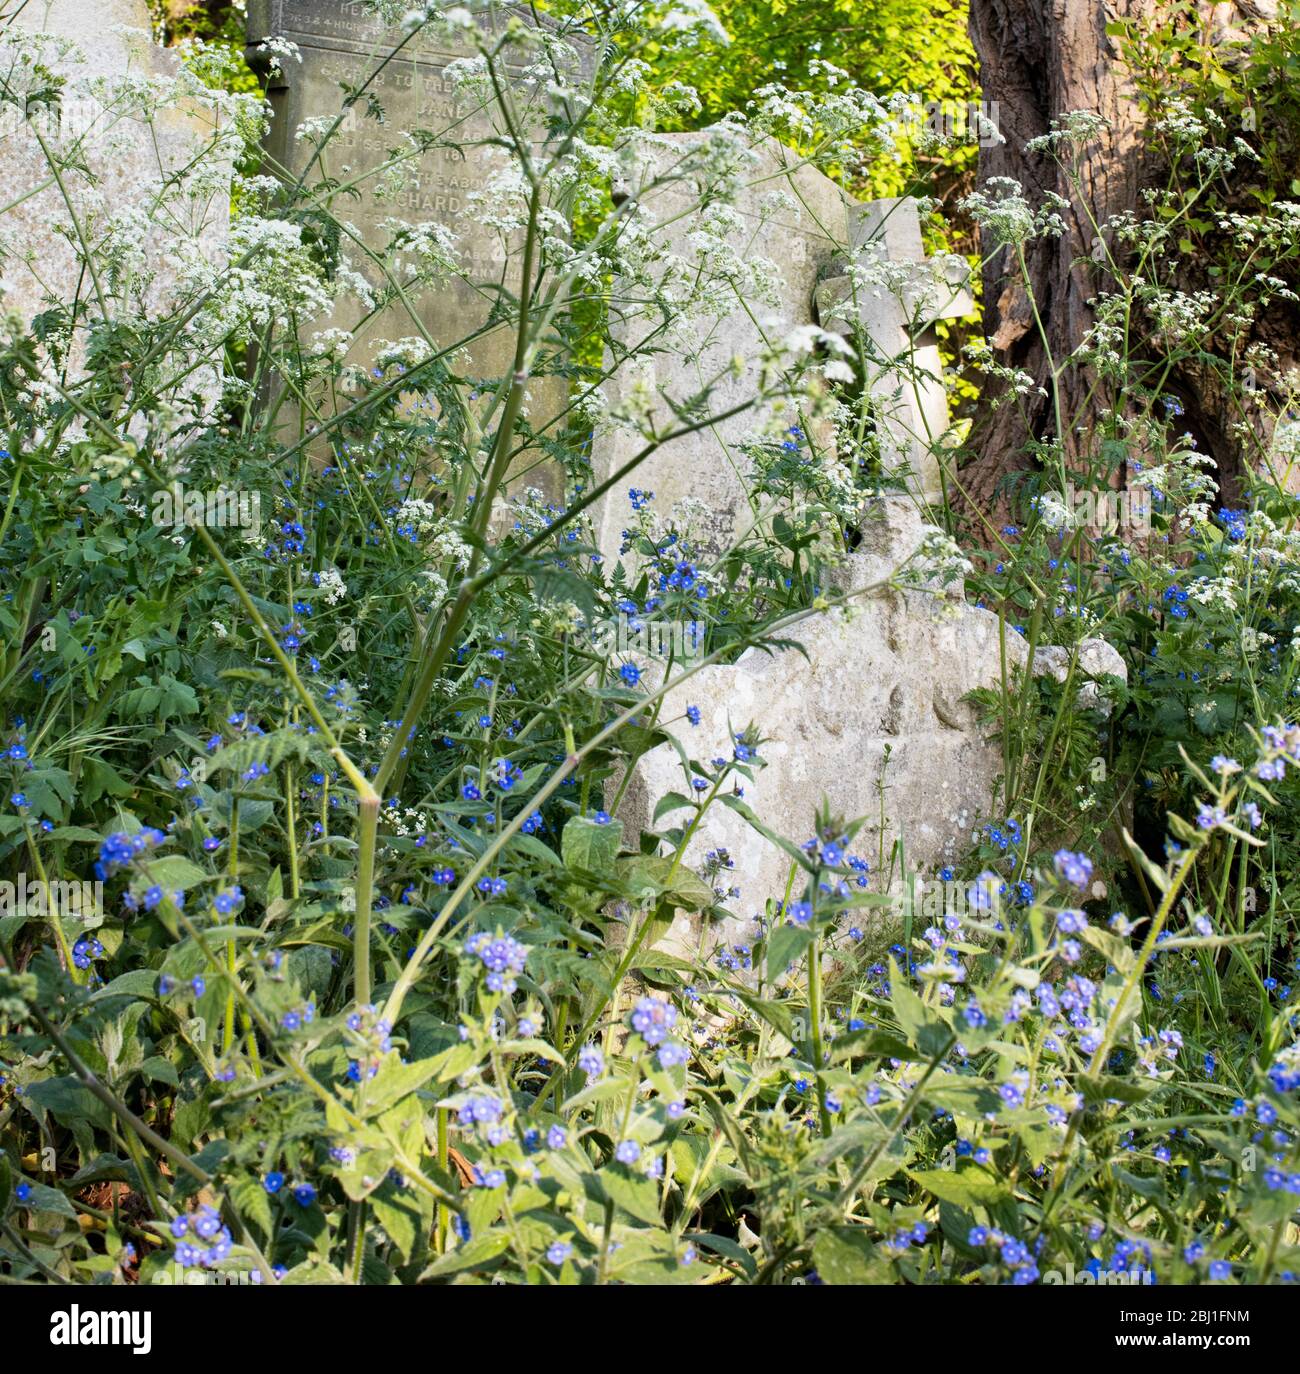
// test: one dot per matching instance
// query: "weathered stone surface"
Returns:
(873, 721)
(794, 243)
(128, 159)
(904, 367)
(1096, 660)
(342, 46)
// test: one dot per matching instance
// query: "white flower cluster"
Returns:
(1001, 208)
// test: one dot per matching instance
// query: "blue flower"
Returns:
(273, 1181)
(1076, 869)
(653, 1018)
(672, 1053)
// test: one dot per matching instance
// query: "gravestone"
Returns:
(342, 48)
(904, 368)
(872, 717)
(127, 162)
(794, 222)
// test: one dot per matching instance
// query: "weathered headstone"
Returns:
(905, 371)
(794, 221)
(402, 85)
(125, 155)
(873, 719)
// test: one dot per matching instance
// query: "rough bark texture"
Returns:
(1040, 59)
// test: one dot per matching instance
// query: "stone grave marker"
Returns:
(342, 45)
(873, 719)
(127, 161)
(794, 222)
(905, 371)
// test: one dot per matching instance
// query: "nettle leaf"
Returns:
(590, 848)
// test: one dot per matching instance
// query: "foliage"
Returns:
(376, 990)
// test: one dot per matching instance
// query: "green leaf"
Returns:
(403, 1215)
(923, 1027)
(474, 1254)
(635, 1194)
(46, 1199)
(967, 1188)
(670, 801)
(160, 1070)
(396, 1080)
(175, 873)
(590, 848)
(69, 1100)
(844, 1256)
(253, 1203)
(1107, 1089)
(137, 982)
(871, 1044)
(652, 876)
(785, 944)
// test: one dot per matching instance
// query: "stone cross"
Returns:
(904, 368)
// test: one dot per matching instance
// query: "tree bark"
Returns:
(1039, 60)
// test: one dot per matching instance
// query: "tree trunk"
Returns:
(1039, 60)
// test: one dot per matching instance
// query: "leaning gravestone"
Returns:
(873, 718)
(403, 88)
(793, 222)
